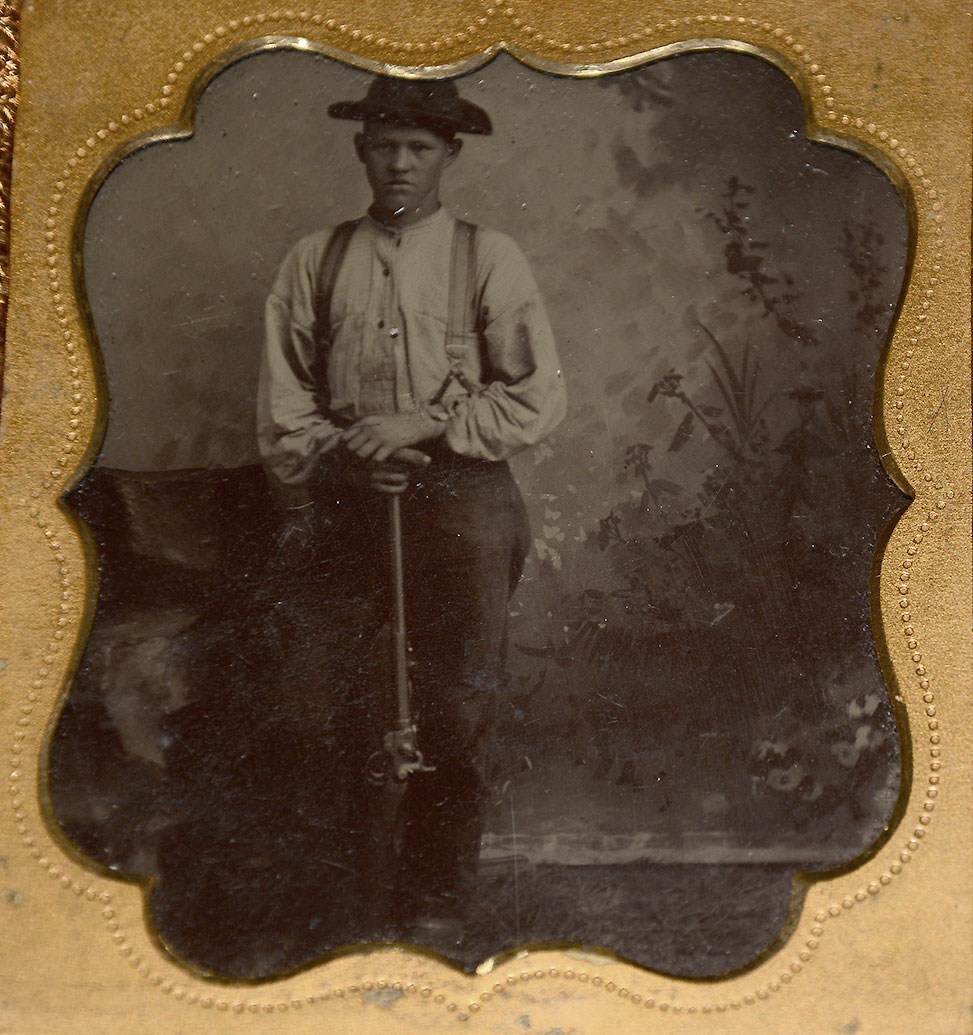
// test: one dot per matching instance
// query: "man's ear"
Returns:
(360, 146)
(453, 148)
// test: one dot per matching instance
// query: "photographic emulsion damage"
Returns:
(485, 516)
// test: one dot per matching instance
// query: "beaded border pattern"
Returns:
(869, 131)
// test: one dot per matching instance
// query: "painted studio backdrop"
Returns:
(696, 706)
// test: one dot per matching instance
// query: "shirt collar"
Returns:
(437, 220)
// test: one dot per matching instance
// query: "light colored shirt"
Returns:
(389, 313)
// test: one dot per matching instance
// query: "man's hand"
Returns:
(382, 436)
(392, 477)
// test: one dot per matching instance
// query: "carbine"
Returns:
(400, 756)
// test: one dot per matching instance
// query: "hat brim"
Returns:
(463, 117)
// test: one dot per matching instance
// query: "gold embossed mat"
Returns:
(876, 937)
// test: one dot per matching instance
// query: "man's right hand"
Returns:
(392, 476)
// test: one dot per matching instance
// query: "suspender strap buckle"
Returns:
(462, 314)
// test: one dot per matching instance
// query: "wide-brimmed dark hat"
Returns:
(433, 103)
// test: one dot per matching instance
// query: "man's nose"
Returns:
(400, 158)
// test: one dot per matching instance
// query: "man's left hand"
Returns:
(378, 437)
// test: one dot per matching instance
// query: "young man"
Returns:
(410, 353)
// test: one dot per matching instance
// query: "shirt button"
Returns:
(393, 332)
(385, 271)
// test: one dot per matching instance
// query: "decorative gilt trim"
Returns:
(900, 609)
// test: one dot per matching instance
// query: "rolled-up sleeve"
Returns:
(523, 396)
(292, 429)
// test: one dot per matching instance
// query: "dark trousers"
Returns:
(465, 537)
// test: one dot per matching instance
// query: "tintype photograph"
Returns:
(484, 516)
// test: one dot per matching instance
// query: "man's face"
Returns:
(403, 165)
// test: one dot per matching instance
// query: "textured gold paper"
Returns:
(882, 947)
(9, 83)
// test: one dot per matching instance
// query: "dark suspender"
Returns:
(462, 282)
(462, 319)
(331, 261)
(462, 312)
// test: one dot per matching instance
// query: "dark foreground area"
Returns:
(260, 909)
(693, 921)
(660, 821)
(249, 885)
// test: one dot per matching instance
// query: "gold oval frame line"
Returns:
(817, 131)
